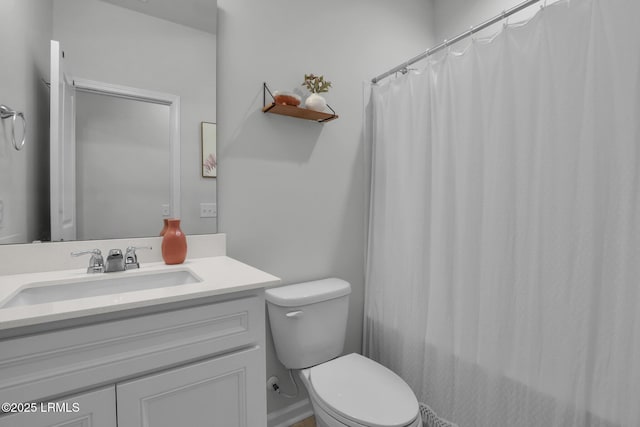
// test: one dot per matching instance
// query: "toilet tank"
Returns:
(308, 321)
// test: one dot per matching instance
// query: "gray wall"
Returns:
(25, 31)
(292, 195)
(118, 46)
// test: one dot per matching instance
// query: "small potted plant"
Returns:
(316, 85)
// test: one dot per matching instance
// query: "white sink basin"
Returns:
(45, 292)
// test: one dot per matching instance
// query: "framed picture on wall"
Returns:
(209, 158)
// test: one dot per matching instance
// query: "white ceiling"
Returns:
(198, 14)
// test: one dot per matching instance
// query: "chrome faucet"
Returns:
(96, 263)
(131, 258)
(115, 261)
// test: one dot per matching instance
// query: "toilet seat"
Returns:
(364, 392)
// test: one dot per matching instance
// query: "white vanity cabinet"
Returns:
(199, 364)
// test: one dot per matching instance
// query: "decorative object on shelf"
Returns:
(315, 102)
(292, 111)
(174, 243)
(6, 113)
(316, 85)
(209, 148)
(164, 228)
(286, 98)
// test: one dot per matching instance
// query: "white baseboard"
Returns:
(290, 415)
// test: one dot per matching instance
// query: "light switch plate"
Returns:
(165, 210)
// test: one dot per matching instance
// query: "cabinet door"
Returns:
(92, 409)
(225, 391)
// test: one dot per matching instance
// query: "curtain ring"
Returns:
(447, 45)
(5, 113)
(505, 19)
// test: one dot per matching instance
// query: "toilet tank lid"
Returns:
(308, 292)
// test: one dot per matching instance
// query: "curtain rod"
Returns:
(506, 13)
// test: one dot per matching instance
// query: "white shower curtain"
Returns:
(503, 270)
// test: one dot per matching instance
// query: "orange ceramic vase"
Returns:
(174, 243)
(164, 228)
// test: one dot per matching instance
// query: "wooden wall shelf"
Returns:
(300, 113)
(293, 111)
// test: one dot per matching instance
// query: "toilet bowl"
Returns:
(308, 323)
(355, 391)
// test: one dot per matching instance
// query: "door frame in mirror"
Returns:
(137, 94)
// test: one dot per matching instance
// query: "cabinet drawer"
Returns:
(59, 362)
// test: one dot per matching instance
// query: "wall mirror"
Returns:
(123, 174)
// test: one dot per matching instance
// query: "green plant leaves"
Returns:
(316, 84)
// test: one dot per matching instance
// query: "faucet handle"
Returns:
(96, 263)
(131, 258)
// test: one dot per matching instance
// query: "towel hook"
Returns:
(5, 113)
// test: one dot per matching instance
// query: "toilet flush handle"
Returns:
(297, 313)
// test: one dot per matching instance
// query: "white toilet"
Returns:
(308, 322)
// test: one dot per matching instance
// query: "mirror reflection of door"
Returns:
(62, 148)
(123, 166)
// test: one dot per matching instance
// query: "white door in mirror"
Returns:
(62, 149)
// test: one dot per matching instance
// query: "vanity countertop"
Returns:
(220, 275)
